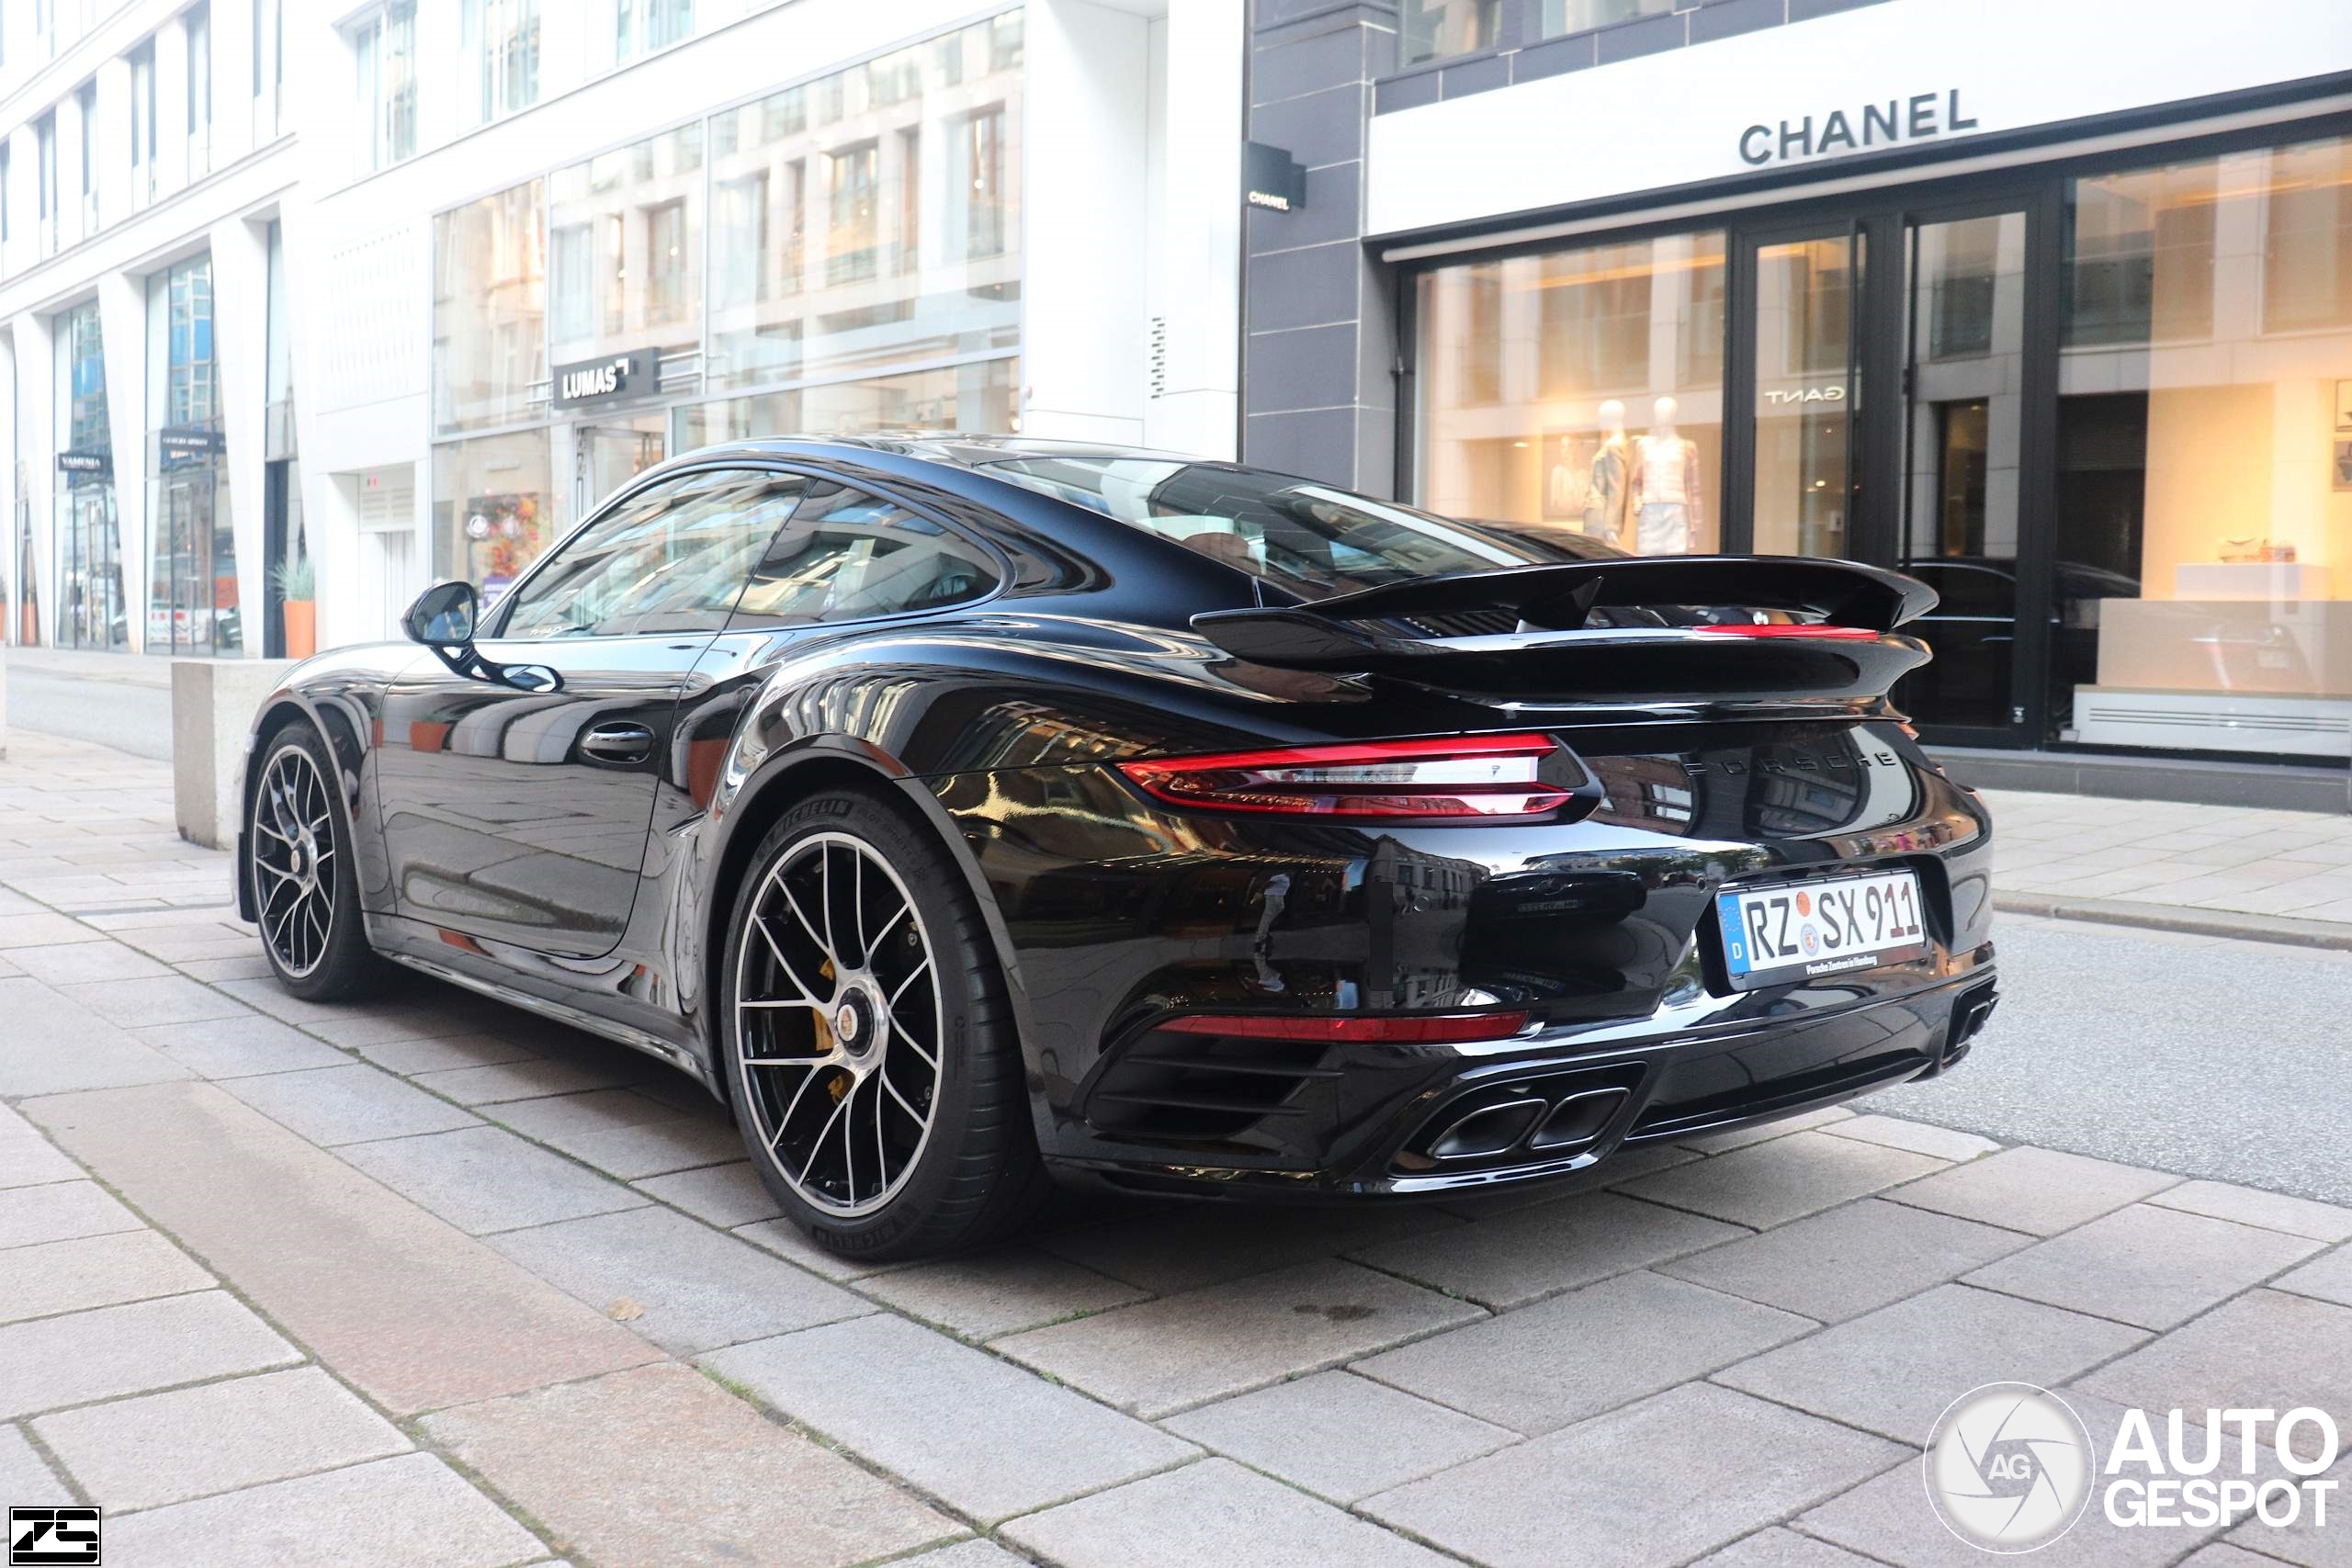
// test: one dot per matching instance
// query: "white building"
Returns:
(403, 289)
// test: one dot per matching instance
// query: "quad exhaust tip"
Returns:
(1530, 1120)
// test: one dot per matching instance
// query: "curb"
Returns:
(2279, 929)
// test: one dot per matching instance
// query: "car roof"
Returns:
(957, 448)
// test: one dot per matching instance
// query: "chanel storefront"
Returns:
(2046, 305)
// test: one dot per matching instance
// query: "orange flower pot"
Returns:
(301, 627)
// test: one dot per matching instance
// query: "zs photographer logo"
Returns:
(53, 1538)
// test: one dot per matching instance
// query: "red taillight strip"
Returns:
(1423, 1029)
(1257, 782)
(1793, 628)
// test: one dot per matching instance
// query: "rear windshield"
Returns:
(1306, 537)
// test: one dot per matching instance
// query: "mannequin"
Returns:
(1605, 491)
(1665, 499)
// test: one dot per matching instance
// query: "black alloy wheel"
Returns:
(298, 850)
(874, 1069)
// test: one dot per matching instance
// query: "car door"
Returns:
(516, 805)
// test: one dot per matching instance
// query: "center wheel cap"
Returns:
(845, 1023)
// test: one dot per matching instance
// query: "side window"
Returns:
(846, 555)
(673, 558)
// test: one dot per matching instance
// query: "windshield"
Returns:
(1308, 538)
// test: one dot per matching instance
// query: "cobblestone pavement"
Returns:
(429, 1282)
(2293, 867)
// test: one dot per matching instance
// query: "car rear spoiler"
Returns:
(1553, 647)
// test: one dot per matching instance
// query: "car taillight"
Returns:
(1792, 628)
(1455, 777)
(1411, 1028)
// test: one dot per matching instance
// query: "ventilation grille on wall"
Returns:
(1158, 356)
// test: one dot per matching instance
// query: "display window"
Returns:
(492, 508)
(490, 324)
(2204, 465)
(92, 609)
(1580, 391)
(193, 602)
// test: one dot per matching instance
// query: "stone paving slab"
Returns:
(485, 1179)
(1895, 1369)
(49, 1362)
(367, 1516)
(1849, 1260)
(1522, 1257)
(1781, 1549)
(1604, 1345)
(242, 1046)
(1195, 1244)
(1212, 1512)
(94, 1272)
(55, 1044)
(978, 1432)
(1773, 1182)
(25, 1477)
(349, 1104)
(2252, 1206)
(2143, 1265)
(414, 1312)
(1340, 1435)
(1183, 1350)
(1658, 1481)
(2041, 1190)
(675, 1280)
(999, 1293)
(60, 1211)
(661, 1466)
(723, 1195)
(170, 1448)
(2266, 1350)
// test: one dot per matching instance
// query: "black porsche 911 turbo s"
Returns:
(966, 812)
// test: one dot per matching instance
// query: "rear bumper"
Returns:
(1592, 1102)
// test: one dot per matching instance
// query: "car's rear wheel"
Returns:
(298, 862)
(876, 1073)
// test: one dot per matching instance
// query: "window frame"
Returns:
(1006, 571)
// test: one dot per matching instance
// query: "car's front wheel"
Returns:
(876, 1073)
(299, 860)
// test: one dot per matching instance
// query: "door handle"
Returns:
(617, 743)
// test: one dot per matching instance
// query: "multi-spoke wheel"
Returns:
(837, 1013)
(297, 855)
(294, 861)
(876, 1075)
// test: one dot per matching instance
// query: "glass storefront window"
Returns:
(193, 603)
(1434, 29)
(625, 233)
(1580, 391)
(871, 215)
(2204, 455)
(1806, 394)
(1556, 17)
(91, 609)
(492, 508)
(488, 309)
(977, 397)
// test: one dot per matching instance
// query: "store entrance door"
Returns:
(607, 456)
(1804, 295)
(1963, 426)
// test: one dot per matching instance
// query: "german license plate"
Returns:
(1800, 929)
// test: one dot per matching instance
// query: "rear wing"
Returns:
(1552, 644)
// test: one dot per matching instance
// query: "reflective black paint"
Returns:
(497, 853)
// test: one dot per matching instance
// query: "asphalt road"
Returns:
(2220, 1059)
(129, 717)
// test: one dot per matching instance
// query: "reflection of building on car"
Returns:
(965, 811)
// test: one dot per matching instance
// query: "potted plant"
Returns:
(298, 586)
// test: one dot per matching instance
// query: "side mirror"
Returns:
(443, 615)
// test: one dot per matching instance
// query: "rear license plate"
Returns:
(1800, 929)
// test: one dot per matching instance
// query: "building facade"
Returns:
(331, 303)
(2050, 305)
